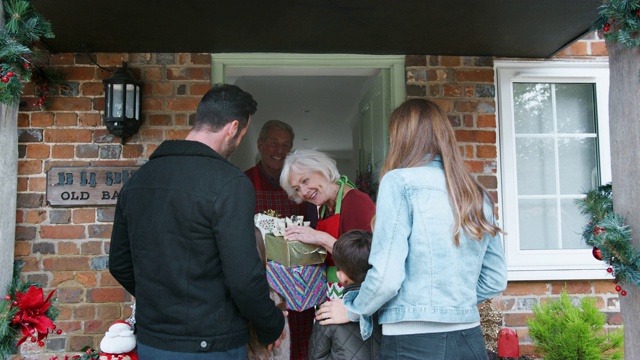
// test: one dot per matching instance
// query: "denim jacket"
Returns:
(418, 273)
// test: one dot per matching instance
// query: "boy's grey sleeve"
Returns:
(320, 342)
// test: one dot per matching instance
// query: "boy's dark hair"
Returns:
(222, 104)
(351, 254)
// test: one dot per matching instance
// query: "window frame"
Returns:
(560, 264)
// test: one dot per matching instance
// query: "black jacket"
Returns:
(183, 244)
(343, 341)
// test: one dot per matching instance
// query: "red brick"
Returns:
(604, 287)
(111, 59)
(201, 59)
(84, 312)
(176, 134)
(41, 119)
(63, 231)
(38, 184)
(199, 89)
(515, 288)
(35, 216)
(76, 343)
(188, 73)
(109, 311)
(66, 119)
(450, 61)
(80, 73)
(578, 48)
(162, 89)
(486, 152)
(132, 151)
(152, 74)
(92, 89)
(152, 104)
(470, 91)
(23, 120)
(30, 264)
(65, 312)
(62, 151)
(70, 295)
(98, 104)
(70, 104)
(96, 326)
(517, 319)
(452, 90)
(89, 120)
(476, 136)
(182, 104)
(572, 287)
(479, 75)
(83, 216)
(68, 248)
(23, 184)
(91, 248)
(158, 120)
(599, 48)
(38, 151)
(105, 295)
(181, 120)
(66, 263)
(468, 120)
(67, 135)
(151, 135)
(486, 121)
(29, 167)
(22, 248)
(62, 59)
(106, 279)
(88, 279)
(151, 148)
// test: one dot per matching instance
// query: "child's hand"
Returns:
(332, 312)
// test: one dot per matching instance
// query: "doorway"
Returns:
(338, 104)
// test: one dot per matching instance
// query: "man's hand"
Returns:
(282, 336)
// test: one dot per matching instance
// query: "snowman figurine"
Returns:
(119, 342)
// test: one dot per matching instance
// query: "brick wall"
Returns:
(67, 248)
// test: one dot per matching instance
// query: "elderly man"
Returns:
(274, 143)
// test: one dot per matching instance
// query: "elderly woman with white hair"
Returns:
(312, 176)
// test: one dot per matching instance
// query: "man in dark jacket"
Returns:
(183, 242)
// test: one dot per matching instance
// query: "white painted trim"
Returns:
(545, 264)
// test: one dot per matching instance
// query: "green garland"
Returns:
(610, 237)
(19, 58)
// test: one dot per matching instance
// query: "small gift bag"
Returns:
(293, 253)
(302, 287)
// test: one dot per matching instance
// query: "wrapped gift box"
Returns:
(293, 253)
(302, 287)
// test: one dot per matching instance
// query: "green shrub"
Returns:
(563, 331)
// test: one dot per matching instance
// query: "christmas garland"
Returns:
(610, 237)
(619, 20)
(23, 29)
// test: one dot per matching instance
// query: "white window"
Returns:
(554, 145)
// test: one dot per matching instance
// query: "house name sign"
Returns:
(86, 185)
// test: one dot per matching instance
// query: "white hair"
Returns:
(307, 161)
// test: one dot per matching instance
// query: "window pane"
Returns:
(575, 108)
(532, 108)
(572, 223)
(536, 166)
(538, 224)
(578, 165)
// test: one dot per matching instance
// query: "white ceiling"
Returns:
(320, 104)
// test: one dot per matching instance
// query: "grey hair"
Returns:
(307, 161)
(275, 124)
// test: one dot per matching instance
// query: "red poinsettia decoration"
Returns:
(31, 316)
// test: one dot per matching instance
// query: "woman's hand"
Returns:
(332, 312)
(309, 235)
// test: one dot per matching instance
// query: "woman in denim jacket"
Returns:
(436, 250)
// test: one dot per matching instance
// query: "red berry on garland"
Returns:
(10, 74)
(597, 230)
(596, 253)
(615, 281)
(618, 288)
(16, 319)
(609, 270)
(623, 293)
(14, 303)
(41, 343)
(33, 339)
(5, 80)
(58, 331)
(8, 297)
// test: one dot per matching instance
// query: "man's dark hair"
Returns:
(222, 104)
(351, 254)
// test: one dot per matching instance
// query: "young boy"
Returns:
(343, 341)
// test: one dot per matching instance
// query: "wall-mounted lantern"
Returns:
(122, 103)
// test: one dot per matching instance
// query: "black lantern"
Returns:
(122, 103)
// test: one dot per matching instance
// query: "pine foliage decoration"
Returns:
(19, 56)
(561, 330)
(620, 21)
(608, 232)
